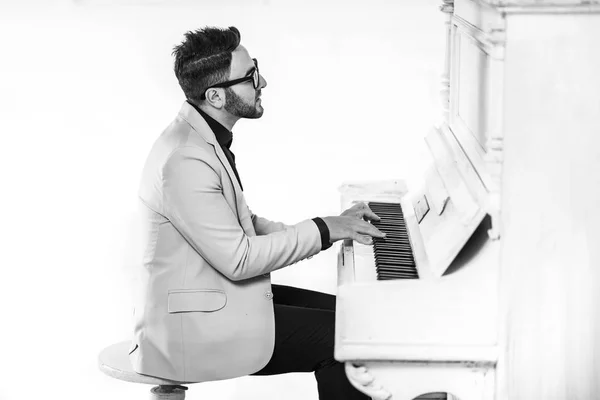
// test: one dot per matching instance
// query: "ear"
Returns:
(215, 97)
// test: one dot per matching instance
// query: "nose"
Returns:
(262, 82)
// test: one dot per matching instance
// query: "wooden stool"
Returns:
(114, 362)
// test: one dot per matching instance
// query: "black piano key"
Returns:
(392, 249)
(385, 217)
(389, 223)
(393, 241)
(391, 233)
(390, 277)
(392, 266)
(386, 278)
(392, 246)
(393, 257)
(390, 213)
(394, 263)
(400, 269)
(396, 268)
(394, 235)
(396, 272)
(394, 214)
(391, 229)
(377, 204)
(396, 211)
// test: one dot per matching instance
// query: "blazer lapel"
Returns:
(199, 124)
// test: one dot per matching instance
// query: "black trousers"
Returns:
(304, 338)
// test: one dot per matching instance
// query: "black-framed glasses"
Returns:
(254, 77)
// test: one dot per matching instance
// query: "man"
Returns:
(205, 306)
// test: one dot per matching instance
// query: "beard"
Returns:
(235, 105)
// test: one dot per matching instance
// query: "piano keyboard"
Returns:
(393, 255)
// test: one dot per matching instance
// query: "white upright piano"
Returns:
(488, 285)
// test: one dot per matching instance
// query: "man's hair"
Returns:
(204, 59)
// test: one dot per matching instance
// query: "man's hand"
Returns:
(361, 211)
(351, 224)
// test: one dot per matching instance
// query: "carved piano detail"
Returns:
(447, 304)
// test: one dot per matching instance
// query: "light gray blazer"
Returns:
(203, 301)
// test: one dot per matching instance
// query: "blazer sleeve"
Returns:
(263, 226)
(194, 203)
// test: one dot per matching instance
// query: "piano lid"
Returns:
(442, 216)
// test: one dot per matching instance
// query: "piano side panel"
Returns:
(550, 209)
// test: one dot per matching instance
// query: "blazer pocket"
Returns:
(196, 300)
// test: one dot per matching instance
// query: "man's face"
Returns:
(243, 100)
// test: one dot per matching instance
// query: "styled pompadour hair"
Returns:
(204, 58)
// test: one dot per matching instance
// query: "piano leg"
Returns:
(361, 378)
(396, 380)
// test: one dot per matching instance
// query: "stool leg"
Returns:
(168, 392)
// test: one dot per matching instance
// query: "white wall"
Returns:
(85, 88)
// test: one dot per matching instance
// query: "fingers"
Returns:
(350, 227)
(363, 239)
(366, 212)
(370, 215)
(360, 211)
(368, 229)
(364, 232)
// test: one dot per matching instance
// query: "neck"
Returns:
(221, 116)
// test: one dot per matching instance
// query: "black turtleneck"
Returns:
(225, 138)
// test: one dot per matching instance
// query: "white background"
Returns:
(86, 87)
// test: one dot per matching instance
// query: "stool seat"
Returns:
(114, 362)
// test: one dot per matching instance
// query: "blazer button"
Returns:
(269, 295)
